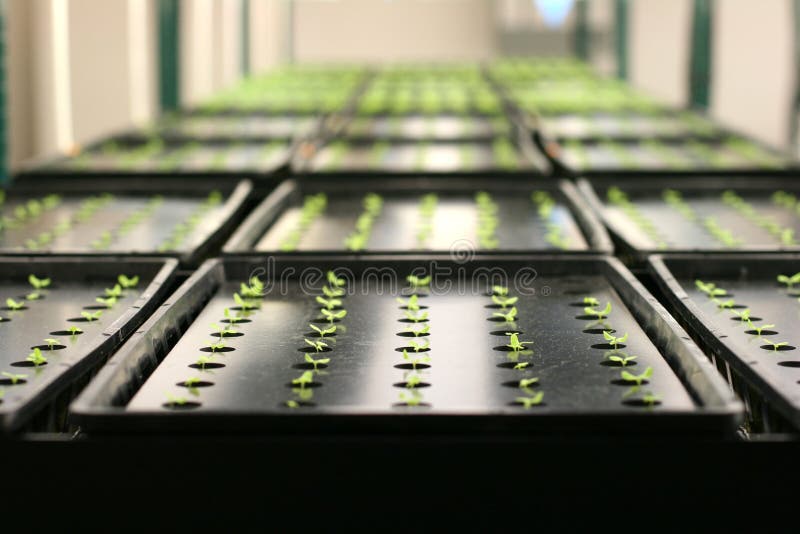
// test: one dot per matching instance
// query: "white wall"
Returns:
(269, 33)
(659, 35)
(752, 67)
(371, 30)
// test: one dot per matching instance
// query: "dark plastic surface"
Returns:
(703, 195)
(180, 200)
(39, 401)
(768, 380)
(394, 231)
(361, 386)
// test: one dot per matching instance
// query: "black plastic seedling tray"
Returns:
(427, 127)
(464, 376)
(35, 397)
(132, 156)
(188, 220)
(222, 128)
(626, 126)
(765, 376)
(709, 214)
(503, 156)
(404, 224)
(687, 157)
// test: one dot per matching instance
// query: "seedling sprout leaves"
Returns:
(527, 382)
(36, 358)
(612, 340)
(598, 313)
(414, 399)
(534, 400)
(416, 316)
(304, 379)
(413, 381)
(789, 281)
(233, 319)
(128, 283)
(761, 328)
(417, 281)
(504, 302)
(627, 376)
(204, 360)
(412, 303)
(50, 342)
(334, 280)
(500, 291)
(415, 361)
(514, 343)
(245, 304)
(424, 330)
(92, 316)
(622, 359)
(318, 346)
(108, 302)
(38, 283)
(419, 346)
(332, 316)
(332, 292)
(521, 365)
(315, 363)
(15, 378)
(323, 332)
(591, 301)
(329, 304)
(508, 317)
(776, 346)
(13, 304)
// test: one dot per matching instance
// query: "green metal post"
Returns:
(169, 54)
(621, 37)
(581, 30)
(3, 115)
(245, 44)
(700, 68)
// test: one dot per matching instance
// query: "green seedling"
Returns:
(504, 302)
(615, 341)
(304, 380)
(412, 303)
(42, 283)
(651, 399)
(534, 400)
(108, 302)
(292, 404)
(413, 381)
(222, 330)
(508, 317)
(244, 303)
(622, 359)
(415, 361)
(13, 305)
(34, 295)
(789, 281)
(638, 379)
(422, 331)
(115, 292)
(759, 329)
(318, 346)
(74, 331)
(329, 304)
(500, 291)
(15, 378)
(415, 399)
(776, 346)
(50, 342)
(332, 316)
(418, 347)
(231, 318)
(521, 366)
(191, 382)
(600, 314)
(743, 315)
(253, 291)
(335, 281)
(515, 344)
(315, 363)
(417, 281)
(128, 283)
(92, 316)
(527, 382)
(36, 358)
(332, 293)
(204, 360)
(727, 304)
(176, 401)
(416, 317)
(591, 302)
(709, 289)
(218, 346)
(323, 332)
